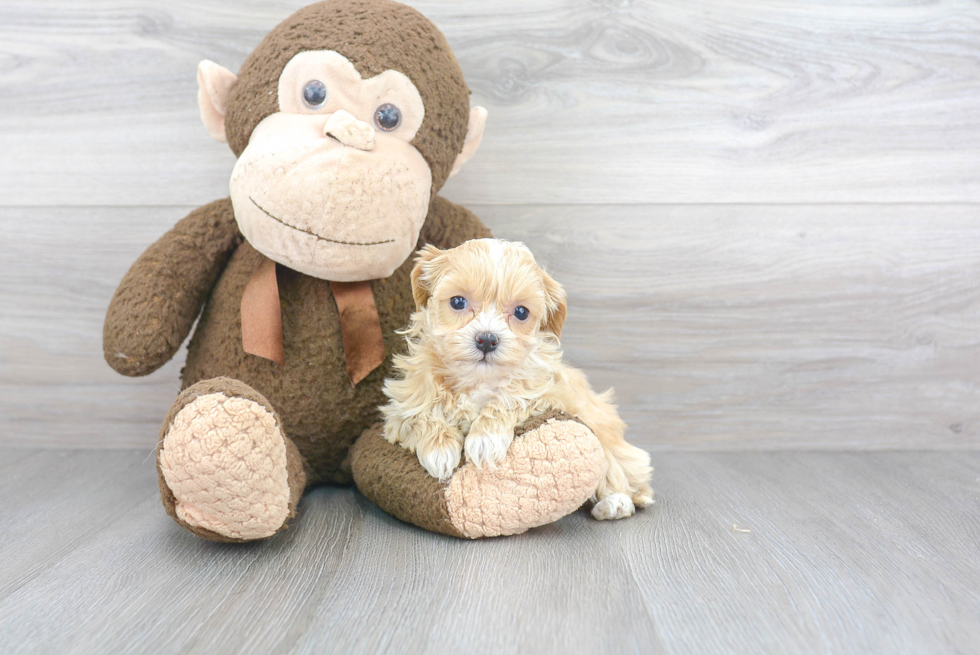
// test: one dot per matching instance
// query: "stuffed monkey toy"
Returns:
(346, 121)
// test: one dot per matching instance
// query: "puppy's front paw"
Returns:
(613, 506)
(487, 449)
(440, 462)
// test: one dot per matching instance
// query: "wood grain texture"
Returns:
(606, 101)
(842, 553)
(724, 327)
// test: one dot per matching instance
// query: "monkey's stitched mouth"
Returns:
(314, 234)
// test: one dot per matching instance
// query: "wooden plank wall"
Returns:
(767, 214)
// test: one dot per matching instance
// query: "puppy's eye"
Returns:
(387, 117)
(315, 94)
(521, 313)
(457, 302)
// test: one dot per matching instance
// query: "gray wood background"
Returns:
(767, 214)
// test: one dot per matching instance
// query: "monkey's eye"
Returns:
(388, 117)
(315, 94)
(521, 313)
(457, 302)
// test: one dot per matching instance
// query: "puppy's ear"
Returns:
(557, 307)
(424, 274)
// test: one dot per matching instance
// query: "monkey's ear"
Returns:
(214, 84)
(424, 274)
(474, 134)
(557, 305)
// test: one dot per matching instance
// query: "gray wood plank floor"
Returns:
(840, 553)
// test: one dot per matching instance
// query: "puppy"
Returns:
(484, 356)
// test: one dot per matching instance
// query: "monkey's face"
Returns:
(345, 118)
(331, 185)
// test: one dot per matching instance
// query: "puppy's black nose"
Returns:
(486, 341)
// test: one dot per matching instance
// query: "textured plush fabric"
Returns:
(162, 293)
(291, 467)
(392, 478)
(549, 472)
(375, 35)
(224, 458)
(328, 210)
(552, 468)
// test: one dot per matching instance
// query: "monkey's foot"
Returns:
(227, 472)
(551, 469)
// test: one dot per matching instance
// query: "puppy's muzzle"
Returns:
(487, 342)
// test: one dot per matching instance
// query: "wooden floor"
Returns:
(832, 553)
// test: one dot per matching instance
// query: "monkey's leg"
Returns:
(551, 469)
(227, 471)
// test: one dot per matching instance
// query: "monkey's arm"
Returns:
(449, 225)
(157, 301)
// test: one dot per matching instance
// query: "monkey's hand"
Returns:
(157, 301)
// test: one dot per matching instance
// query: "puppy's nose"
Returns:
(486, 341)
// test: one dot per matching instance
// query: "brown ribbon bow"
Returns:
(360, 326)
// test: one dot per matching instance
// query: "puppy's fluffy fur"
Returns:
(456, 393)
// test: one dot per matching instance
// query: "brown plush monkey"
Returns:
(346, 120)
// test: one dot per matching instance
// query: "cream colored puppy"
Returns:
(484, 356)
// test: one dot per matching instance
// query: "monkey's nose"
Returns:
(487, 342)
(349, 131)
